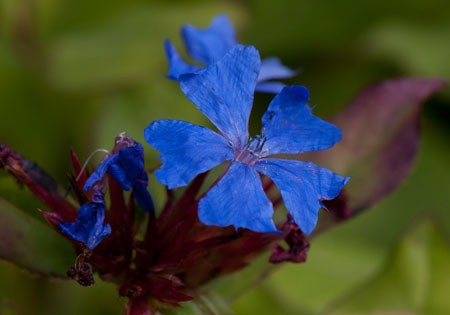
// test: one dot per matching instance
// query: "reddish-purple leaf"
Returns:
(37, 180)
(381, 133)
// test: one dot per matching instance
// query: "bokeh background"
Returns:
(73, 74)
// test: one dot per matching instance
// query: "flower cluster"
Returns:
(197, 238)
(223, 92)
(210, 45)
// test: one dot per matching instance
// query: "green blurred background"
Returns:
(76, 73)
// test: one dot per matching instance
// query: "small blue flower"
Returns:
(127, 168)
(224, 93)
(210, 45)
(89, 227)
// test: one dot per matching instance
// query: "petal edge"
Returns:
(303, 186)
(186, 150)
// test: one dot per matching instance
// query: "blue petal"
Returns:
(272, 68)
(224, 92)
(290, 127)
(127, 168)
(238, 199)
(89, 227)
(100, 171)
(177, 66)
(119, 174)
(132, 162)
(186, 150)
(210, 45)
(142, 196)
(302, 185)
(270, 87)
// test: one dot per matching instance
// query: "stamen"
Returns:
(256, 149)
(87, 161)
(253, 150)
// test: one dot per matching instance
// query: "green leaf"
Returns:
(380, 138)
(439, 282)
(335, 265)
(20, 196)
(416, 278)
(31, 244)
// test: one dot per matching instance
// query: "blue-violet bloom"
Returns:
(224, 93)
(127, 168)
(89, 227)
(210, 45)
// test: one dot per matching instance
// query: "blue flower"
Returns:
(127, 168)
(89, 227)
(224, 93)
(210, 45)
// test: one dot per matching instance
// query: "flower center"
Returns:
(252, 151)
